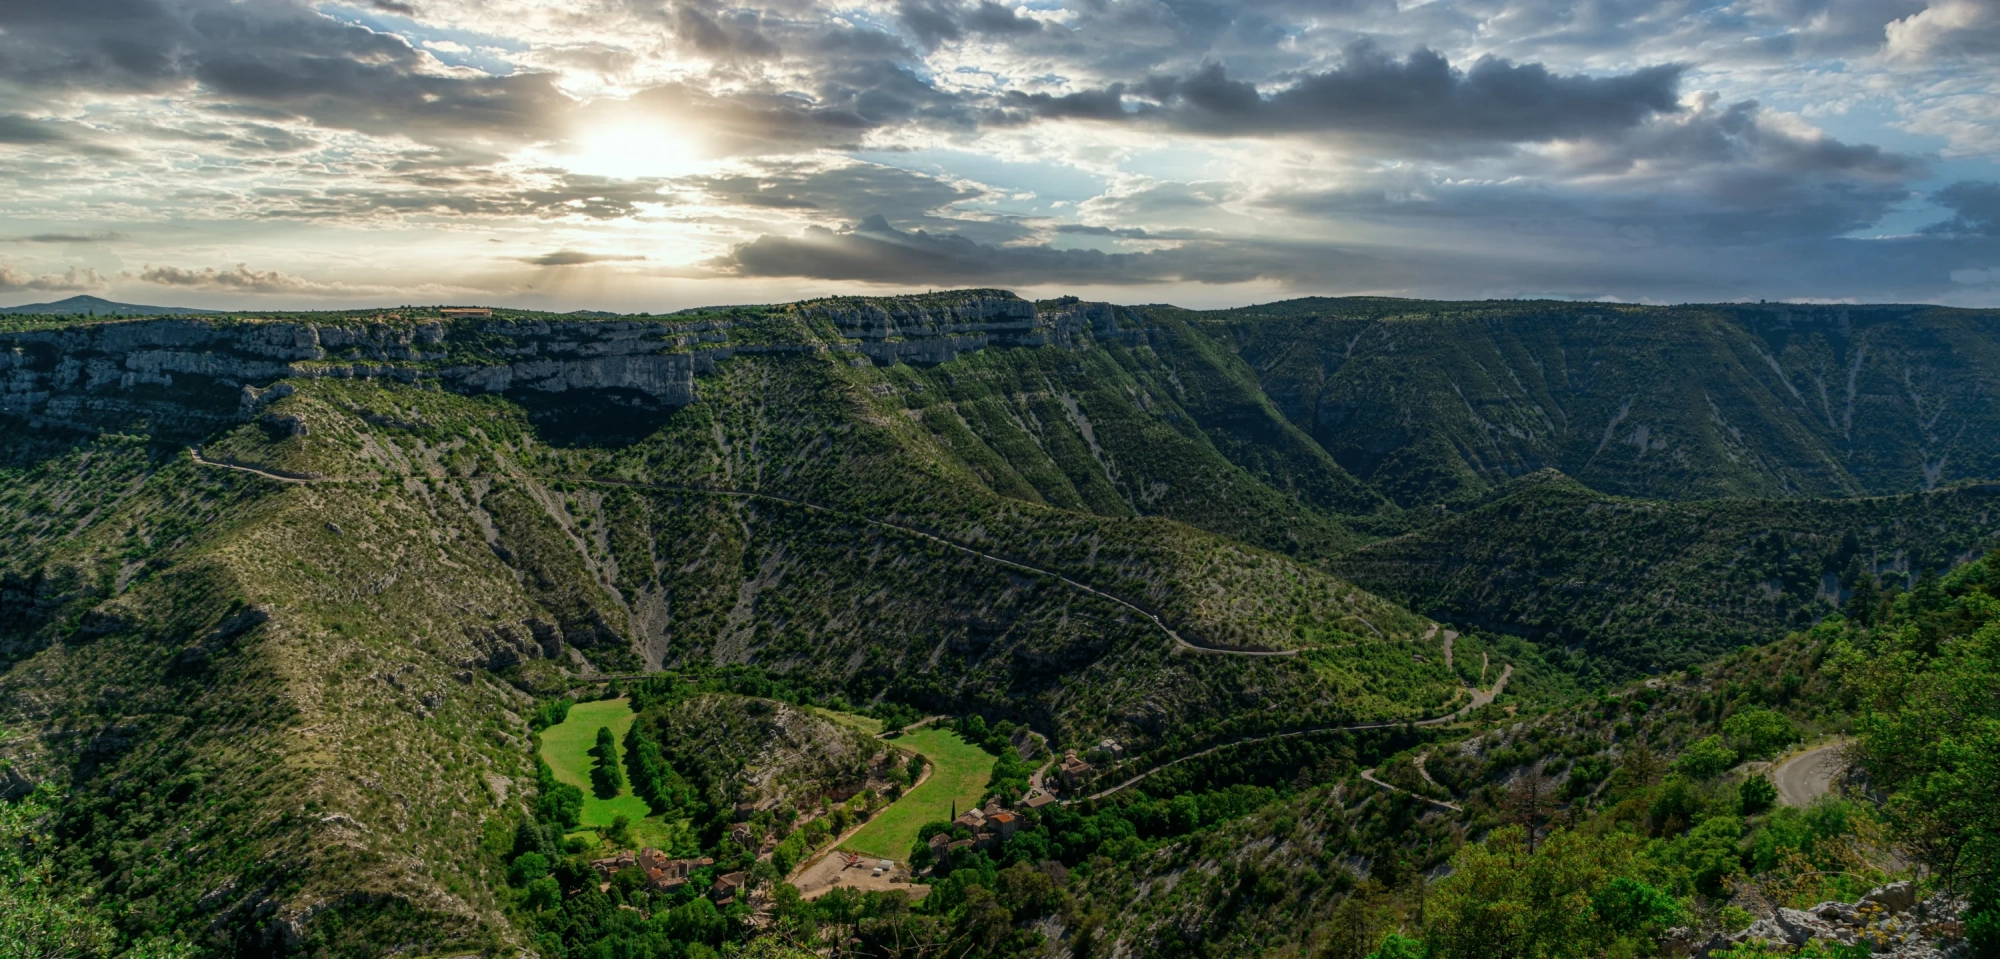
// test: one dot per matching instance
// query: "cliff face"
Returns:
(195, 375)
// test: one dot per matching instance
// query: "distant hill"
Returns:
(101, 307)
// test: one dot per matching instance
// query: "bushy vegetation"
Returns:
(303, 716)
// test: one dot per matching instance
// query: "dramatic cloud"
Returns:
(1227, 149)
(278, 58)
(1420, 98)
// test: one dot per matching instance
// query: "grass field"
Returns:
(960, 777)
(566, 748)
(867, 724)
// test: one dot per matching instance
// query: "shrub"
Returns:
(1705, 759)
(1756, 733)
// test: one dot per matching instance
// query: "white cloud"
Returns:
(68, 281)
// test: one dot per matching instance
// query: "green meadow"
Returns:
(566, 748)
(958, 780)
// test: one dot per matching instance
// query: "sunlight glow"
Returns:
(633, 150)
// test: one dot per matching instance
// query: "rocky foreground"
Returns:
(1889, 920)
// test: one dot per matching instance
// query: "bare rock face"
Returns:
(193, 375)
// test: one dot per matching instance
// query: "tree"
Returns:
(1527, 800)
(1930, 736)
(39, 918)
(1503, 901)
(1705, 758)
(1757, 794)
(1861, 604)
(1399, 946)
(605, 778)
(1756, 733)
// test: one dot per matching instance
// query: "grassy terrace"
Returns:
(959, 778)
(566, 748)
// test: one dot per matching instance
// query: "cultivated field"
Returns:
(959, 778)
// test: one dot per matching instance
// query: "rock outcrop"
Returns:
(193, 375)
(1889, 921)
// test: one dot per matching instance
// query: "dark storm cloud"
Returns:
(1421, 97)
(1977, 203)
(278, 59)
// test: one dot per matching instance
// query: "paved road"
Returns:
(1810, 774)
(1151, 616)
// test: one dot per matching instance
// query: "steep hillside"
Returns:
(1652, 585)
(281, 673)
(1433, 402)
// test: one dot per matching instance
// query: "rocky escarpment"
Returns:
(938, 328)
(1889, 920)
(191, 376)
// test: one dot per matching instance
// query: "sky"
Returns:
(655, 155)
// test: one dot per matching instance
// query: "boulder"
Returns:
(1895, 897)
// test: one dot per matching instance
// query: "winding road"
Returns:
(910, 531)
(1810, 774)
(1479, 698)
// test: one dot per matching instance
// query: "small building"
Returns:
(988, 841)
(726, 886)
(1039, 799)
(746, 809)
(746, 835)
(1073, 770)
(467, 313)
(939, 843)
(1004, 824)
(1113, 747)
(973, 819)
(613, 865)
(664, 874)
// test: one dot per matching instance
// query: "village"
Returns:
(829, 866)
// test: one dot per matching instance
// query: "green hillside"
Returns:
(1651, 585)
(287, 599)
(1431, 401)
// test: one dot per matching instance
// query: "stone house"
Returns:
(1074, 770)
(726, 886)
(1004, 824)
